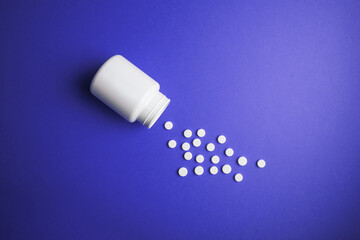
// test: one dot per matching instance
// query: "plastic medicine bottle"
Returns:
(129, 91)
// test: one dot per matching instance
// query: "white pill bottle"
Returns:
(129, 91)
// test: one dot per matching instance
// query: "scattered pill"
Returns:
(199, 170)
(188, 156)
(215, 159)
(238, 177)
(210, 147)
(201, 132)
(168, 125)
(185, 146)
(213, 170)
(226, 169)
(199, 158)
(261, 163)
(242, 161)
(187, 133)
(196, 142)
(182, 172)
(172, 144)
(229, 152)
(221, 139)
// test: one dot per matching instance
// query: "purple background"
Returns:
(280, 79)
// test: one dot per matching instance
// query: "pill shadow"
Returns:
(83, 89)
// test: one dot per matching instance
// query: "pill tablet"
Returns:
(185, 146)
(238, 177)
(187, 133)
(199, 158)
(182, 172)
(242, 161)
(221, 139)
(213, 170)
(201, 132)
(172, 144)
(188, 156)
(168, 125)
(261, 163)
(196, 142)
(215, 159)
(226, 169)
(199, 170)
(210, 147)
(229, 152)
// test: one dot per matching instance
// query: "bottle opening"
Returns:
(154, 110)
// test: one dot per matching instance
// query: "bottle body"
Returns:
(129, 91)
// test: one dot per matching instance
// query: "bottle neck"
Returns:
(153, 110)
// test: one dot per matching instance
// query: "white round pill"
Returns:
(188, 156)
(238, 177)
(226, 169)
(213, 170)
(196, 142)
(201, 132)
(185, 146)
(172, 144)
(199, 158)
(261, 163)
(199, 170)
(221, 139)
(215, 159)
(229, 152)
(210, 147)
(187, 133)
(182, 172)
(168, 125)
(242, 161)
